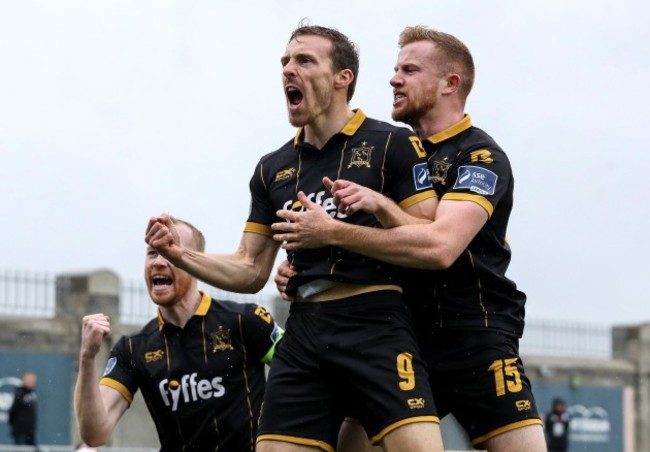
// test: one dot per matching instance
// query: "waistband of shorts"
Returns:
(341, 290)
(368, 300)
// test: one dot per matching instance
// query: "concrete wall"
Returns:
(81, 294)
(76, 296)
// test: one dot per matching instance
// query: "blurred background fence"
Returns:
(33, 294)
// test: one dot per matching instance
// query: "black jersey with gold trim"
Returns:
(203, 384)
(378, 155)
(474, 293)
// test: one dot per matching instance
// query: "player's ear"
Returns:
(452, 83)
(343, 78)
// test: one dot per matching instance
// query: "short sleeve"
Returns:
(407, 170)
(261, 332)
(118, 373)
(261, 214)
(484, 176)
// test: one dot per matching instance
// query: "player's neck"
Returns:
(181, 312)
(324, 126)
(435, 121)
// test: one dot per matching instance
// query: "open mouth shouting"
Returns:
(160, 283)
(161, 280)
(294, 97)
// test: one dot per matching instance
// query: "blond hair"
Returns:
(453, 55)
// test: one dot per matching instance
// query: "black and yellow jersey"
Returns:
(474, 293)
(383, 157)
(203, 384)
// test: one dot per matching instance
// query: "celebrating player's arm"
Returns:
(433, 245)
(310, 228)
(350, 198)
(246, 270)
(97, 408)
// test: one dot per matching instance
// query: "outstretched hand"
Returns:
(305, 229)
(162, 236)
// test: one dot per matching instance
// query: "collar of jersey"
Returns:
(202, 309)
(449, 132)
(349, 129)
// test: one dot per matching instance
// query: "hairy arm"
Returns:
(350, 197)
(434, 245)
(246, 270)
(97, 409)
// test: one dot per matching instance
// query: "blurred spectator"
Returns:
(557, 427)
(22, 414)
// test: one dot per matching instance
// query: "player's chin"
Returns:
(162, 298)
(399, 114)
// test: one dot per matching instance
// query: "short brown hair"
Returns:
(454, 55)
(345, 53)
(197, 235)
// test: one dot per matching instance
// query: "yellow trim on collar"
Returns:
(449, 132)
(204, 305)
(161, 321)
(349, 129)
(202, 309)
(353, 124)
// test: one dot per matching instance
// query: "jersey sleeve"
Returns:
(483, 175)
(261, 332)
(407, 170)
(118, 373)
(262, 213)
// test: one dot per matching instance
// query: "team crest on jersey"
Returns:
(284, 174)
(440, 169)
(361, 156)
(221, 340)
(153, 356)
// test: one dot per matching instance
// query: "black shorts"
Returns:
(352, 356)
(479, 378)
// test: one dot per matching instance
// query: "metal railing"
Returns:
(562, 338)
(33, 294)
(27, 293)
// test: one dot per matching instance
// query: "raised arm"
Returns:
(246, 270)
(97, 409)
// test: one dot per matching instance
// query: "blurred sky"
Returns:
(114, 111)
